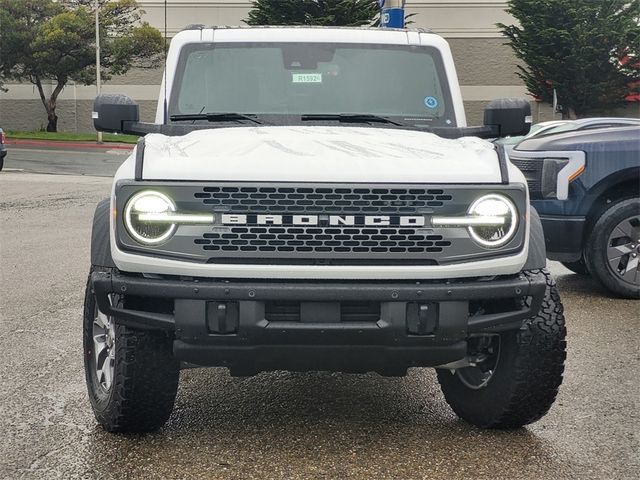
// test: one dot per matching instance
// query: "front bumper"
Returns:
(241, 325)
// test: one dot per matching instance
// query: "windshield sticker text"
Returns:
(307, 78)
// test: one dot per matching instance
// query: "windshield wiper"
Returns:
(215, 117)
(349, 118)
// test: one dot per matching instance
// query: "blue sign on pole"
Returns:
(392, 18)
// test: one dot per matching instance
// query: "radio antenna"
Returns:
(165, 106)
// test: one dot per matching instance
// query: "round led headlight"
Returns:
(504, 220)
(143, 217)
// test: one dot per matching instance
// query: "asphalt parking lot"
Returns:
(279, 425)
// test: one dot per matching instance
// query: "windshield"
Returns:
(403, 82)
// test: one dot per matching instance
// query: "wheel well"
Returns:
(623, 189)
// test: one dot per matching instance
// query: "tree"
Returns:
(575, 47)
(48, 40)
(350, 13)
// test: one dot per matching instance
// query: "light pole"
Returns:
(98, 80)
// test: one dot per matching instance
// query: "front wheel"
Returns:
(613, 249)
(131, 375)
(516, 374)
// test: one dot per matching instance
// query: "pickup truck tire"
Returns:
(143, 382)
(613, 248)
(579, 267)
(526, 373)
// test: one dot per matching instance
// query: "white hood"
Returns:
(319, 154)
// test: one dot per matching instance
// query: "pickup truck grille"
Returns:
(532, 171)
(322, 199)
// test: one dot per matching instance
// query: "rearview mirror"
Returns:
(111, 110)
(508, 116)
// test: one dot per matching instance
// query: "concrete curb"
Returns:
(71, 144)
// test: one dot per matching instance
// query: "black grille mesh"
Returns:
(327, 240)
(322, 199)
(532, 170)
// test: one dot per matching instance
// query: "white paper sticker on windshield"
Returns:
(307, 78)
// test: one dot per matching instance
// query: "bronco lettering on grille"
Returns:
(330, 220)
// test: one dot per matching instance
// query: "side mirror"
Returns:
(111, 110)
(508, 116)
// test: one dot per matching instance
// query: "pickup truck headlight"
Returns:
(505, 220)
(147, 217)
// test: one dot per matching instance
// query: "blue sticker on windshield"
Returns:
(430, 102)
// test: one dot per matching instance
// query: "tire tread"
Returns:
(536, 373)
(145, 382)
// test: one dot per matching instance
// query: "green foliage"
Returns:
(42, 40)
(575, 47)
(350, 13)
(42, 134)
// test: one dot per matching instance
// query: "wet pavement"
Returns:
(280, 425)
(60, 159)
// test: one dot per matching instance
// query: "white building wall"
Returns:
(449, 18)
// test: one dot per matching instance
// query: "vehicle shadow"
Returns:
(574, 284)
(324, 425)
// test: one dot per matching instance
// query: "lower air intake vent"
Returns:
(349, 312)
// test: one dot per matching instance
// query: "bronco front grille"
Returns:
(324, 240)
(322, 199)
(346, 223)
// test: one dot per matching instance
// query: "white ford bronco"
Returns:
(312, 199)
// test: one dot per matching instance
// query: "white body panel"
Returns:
(319, 154)
(141, 264)
(310, 35)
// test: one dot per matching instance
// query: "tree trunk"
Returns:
(51, 102)
(52, 126)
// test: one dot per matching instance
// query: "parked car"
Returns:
(3, 148)
(537, 129)
(287, 213)
(559, 126)
(585, 185)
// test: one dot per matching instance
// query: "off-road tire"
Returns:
(145, 379)
(597, 243)
(579, 267)
(527, 376)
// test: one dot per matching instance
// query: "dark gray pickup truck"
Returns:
(586, 187)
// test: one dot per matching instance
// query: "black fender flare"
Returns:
(100, 241)
(537, 257)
